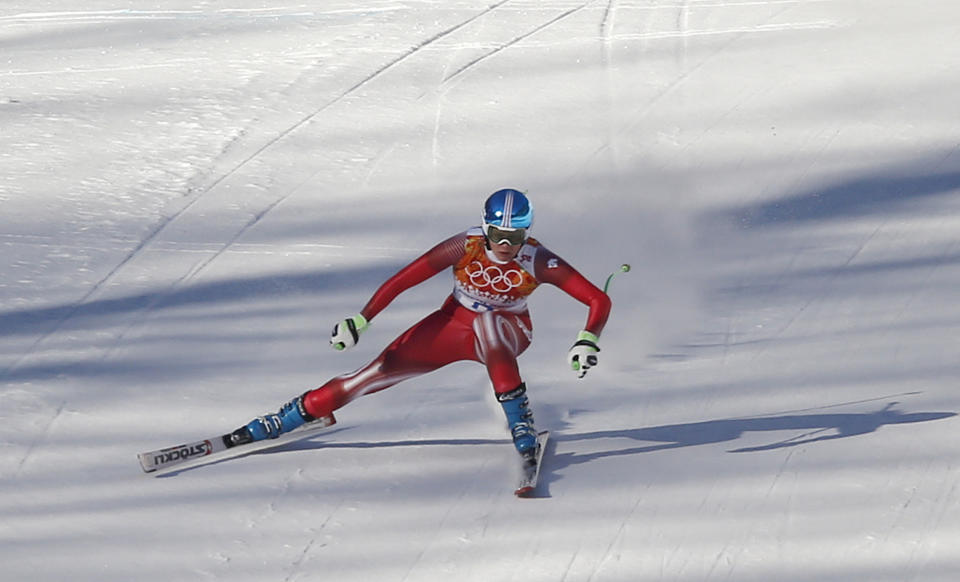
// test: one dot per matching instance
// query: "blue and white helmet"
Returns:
(508, 209)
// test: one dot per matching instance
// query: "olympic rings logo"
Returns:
(493, 277)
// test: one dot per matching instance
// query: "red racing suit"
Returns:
(485, 319)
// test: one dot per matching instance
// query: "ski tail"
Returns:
(531, 469)
(152, 461)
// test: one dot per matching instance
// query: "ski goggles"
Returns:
(497, 235)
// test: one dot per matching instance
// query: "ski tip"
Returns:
(525, 491)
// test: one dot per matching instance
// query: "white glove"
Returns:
(347, 332)
(583, 355)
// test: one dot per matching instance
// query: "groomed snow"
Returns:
(193, 192)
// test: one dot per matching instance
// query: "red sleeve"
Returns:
(443, 256)
(552, 269)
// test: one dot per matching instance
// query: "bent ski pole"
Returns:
(624, 268)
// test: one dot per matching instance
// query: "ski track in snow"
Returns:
(196, 198)
(516, 40)
(39, 440)
(103, 16)
(686, 72)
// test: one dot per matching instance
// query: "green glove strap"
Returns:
(586, 335)
(361, 322)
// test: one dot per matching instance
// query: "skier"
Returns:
(485, 319)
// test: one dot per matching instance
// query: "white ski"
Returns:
(531, 471)
(160, 459)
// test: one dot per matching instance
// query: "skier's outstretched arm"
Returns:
(444, 255)
(554, 270)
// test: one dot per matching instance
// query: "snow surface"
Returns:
(193, 192)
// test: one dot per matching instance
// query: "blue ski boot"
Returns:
(520, 420)
(270, 426)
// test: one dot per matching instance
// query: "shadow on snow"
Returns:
(814, 427)
(854, 197)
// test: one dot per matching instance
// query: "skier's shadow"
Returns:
(813, 428)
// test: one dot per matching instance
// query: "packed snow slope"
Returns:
(193, 192)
